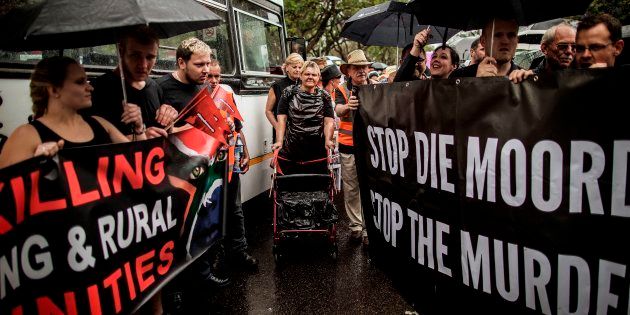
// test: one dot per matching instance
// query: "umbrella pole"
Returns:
(122, 74)
(122, 82)
(491, 38)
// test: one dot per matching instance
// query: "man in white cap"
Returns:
(346, 104)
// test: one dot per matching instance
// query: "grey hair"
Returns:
(550, 34)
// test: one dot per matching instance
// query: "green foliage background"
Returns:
(320, 22)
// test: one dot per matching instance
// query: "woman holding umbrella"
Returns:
(305, 126)
(59, 89)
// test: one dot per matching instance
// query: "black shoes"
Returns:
(356, 236)
(217, 280)
(243, 260)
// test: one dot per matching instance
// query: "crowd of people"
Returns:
(305, 108)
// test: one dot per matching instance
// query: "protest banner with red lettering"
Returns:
(98, 230)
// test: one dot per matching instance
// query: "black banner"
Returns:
(482, 196)
(98, 230)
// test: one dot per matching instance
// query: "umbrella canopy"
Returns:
(545, 25)
(474, 16)
(389, 24)
(59, 24)
(379, 66)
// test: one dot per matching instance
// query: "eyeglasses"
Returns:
(565, 46)
(593, 48)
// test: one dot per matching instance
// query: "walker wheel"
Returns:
(334, 251)
(277, 254)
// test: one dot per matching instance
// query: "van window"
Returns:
(218, 38)
(261, 44)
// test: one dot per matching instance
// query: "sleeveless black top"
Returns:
(278, 87)
(100, 134)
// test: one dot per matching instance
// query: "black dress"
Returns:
(304, 138)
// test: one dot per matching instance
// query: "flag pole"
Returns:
(187, 108)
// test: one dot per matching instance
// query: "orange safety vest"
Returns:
(345, 124)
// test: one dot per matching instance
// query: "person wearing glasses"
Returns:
(598, 41)
(558, 46)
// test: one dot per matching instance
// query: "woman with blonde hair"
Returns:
(292, 67)
(59, 89)
(305, 125)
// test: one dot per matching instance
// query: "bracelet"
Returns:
(142, 130)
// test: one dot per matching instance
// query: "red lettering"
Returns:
(37, 206)
(130, 285)
(17, 310)
(122, 167)
(5, 226)
(112, 281)
(17, 184)
(158, 167)
(95, 300)
(166, 256)
(46, 306)
(71, 303)
(101, 175)
(142, 269)
(76, 195)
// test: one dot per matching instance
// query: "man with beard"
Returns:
(477, 52)
(346, 104)
(193, 62)
(179, 87)
(502, 44)
(138, 51)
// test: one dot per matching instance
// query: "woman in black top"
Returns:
(292, 67)
(59, 88)
(305, 125)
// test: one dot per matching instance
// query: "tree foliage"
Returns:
(617, 8)
(320, 23)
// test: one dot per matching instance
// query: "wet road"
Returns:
(308, 280)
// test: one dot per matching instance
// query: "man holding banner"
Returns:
(346, 104)
(235, 239)
(138, 51)
(598, 41)
(500, 37)
(179, 88)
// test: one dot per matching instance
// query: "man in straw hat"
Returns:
(346, 104)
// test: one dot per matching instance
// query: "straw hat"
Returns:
(357, 58)
(389, 70)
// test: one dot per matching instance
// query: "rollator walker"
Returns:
(303, 204)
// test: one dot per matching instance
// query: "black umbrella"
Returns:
(545, 25)
(473, 15)
(59, 24)
(379, 66)
(389, 24)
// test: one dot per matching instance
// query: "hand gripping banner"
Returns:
(486, 197)
(98, 230)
